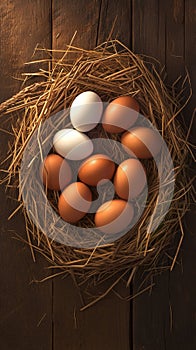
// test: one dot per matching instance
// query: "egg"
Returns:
(120, 114)
(72, 144)
(86, 111)
(130, 179)
(50, 169)
(144, 142)
(74, 202)
(95, 169)
(114, 216)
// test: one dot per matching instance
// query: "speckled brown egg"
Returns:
(74, 202)
(120, 114)
(144, 142)
(114, 216)
(130, 179)
(50, 170)
(95, 169)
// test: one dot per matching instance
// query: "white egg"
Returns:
(86, 111)
(72, 144)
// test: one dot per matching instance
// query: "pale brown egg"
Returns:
(130, 179)
(114, 216)
(95, 169)
(144, 142)
(120, 114)
(50, 170)
(74, 202)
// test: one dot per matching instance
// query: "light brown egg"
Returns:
(50, 170)
(95, 169)
(120, 114)
(143, 141)
(114, 216)
(74, 202)
(130, 179)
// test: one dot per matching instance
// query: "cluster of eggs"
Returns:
(73, 144)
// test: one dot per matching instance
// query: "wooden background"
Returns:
(46, 316)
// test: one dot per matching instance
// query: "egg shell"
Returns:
(72, 144)
(130, 179)
(95, 169)
(50, 169)
(74, 202)
(114, 216)
(120, 114)
(144, 142)
(86, 111)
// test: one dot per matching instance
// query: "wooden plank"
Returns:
(25, 307)
(183, 280)
(70, 16)
(174, 39)
(23, 26)
(150, 312)
(190, 34)
(190, 58)
(106, 324)
(148, 28)
(165, 319)
(115, 18)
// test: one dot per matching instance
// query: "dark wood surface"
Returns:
(166, 319)
(25, 307)
(46, 316)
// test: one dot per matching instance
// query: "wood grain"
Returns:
(70, 16)
(165, 319)
(115, 20)
(190, 59)
(182, 284)
(25, 307)
(24, 25)
(148, 28)
(174, 38)
(102, 326)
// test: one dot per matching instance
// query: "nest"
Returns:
(111, 70)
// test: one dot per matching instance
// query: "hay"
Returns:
(111, 70)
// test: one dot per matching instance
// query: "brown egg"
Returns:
(95, 169)
(50, 170)
(120, 114)
(74, 202)
(129, 179)
(114, 216)
(143, 141)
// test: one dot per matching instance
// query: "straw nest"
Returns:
(111, 70)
